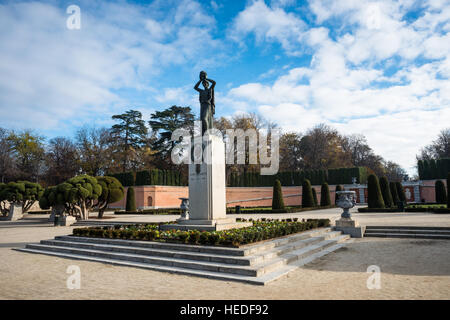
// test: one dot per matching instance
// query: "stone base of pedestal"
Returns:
(206, 225)
(66, 221)
(351, 227)
(15, 213)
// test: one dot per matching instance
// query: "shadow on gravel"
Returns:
(395, 256)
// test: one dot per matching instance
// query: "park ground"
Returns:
(410, 268)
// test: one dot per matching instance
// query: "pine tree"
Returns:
(400, 192)
(394, 193)
(314, 193)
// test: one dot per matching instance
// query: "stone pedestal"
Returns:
(207, 193)
(66, 221)
(15, 212)
(351, 227)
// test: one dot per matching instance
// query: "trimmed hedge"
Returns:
(159, 177)
(374, 193)
(394, 193)
(433, 169)
(307, 195)
(131, 200)
(277, 197)
(441, 193)
(386, 192)
(338, 188)
(162, 211)
(261, 230)
(448, 190)
(366, 209)
(314, 193)
(325, 199)
(126, 178)
(262, 210)
(400, 192)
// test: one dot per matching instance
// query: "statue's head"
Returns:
(205, 84)
(202, 75)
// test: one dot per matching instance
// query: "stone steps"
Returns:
(437, 233)
(257, 263)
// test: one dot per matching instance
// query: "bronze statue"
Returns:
(207, 105)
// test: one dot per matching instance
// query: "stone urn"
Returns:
(346, 201)
(184, 206)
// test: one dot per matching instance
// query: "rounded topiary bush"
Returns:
(325, 199)
(307, 195)
(386, 192)
(131, 200)
(277, 197)
(441, 194)
(375, 197)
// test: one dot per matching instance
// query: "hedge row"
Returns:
(261, 230)
(296, 178)
(152, 211)
(433, 169)
(291, 209)
(150, 177)
(409, 209)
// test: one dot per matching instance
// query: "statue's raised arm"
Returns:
(207, 104)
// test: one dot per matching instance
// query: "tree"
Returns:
(95, 150)
(164, 123)
(7, 169)
(394, 172)
(400, 192)
(61, 160)
(277, 197)
(130, 134)
(76, 196)
(24, 193)
(386, 192)
(439, 148)
(325, 195)
(307, 195)
(375, 197)
(394, 193)
(290, 152)
(4, 204)
(131, 201)
(441, 194)
(28, 151)
(112, 191)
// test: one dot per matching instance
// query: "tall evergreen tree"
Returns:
(130, 134)
(448, 190)
(400, 191)
(131, 200)
(314, 193)
(338, 188)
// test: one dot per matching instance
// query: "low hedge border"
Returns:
(442, 210)
(261, 230)
(293, 209)
(161, 211)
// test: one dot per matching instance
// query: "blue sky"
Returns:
(379, 68)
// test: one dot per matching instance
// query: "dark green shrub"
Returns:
(448, 190)
(374, 192)
(400, 192)
(325, 195)
(393, 188)
(314, 193)
(386, 192)
(441, 194)
(307, 195)
(277, 197)
(131, 200)
(338, 188)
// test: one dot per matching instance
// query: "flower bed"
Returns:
(261, 230)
